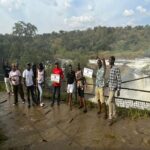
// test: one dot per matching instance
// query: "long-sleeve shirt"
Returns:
(58, 71)
(114, 81)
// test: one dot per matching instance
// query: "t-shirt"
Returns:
(6, 70)
(14, 77)
(28, 75)
(58, 71)
(100, 77)
(70, 77)
(40, 76)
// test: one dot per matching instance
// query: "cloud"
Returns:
(90, 7)
(67, 3)
(128, 13)
(11, 4)
(79, 21)
(141, 9)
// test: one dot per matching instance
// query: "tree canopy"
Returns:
(25, 45)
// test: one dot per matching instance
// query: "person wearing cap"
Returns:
(28, 82)
(15, 78)
(57, 85)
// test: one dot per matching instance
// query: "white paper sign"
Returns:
(55, 78)
(88, 72)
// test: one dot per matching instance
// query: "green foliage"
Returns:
(23, 45)
(133, 113)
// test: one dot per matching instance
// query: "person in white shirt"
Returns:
(28, 82)
(40, 82)
(15, 78)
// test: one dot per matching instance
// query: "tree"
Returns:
(24, 29)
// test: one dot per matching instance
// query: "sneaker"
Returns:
(41, 104)
(23, 102)
(15, 104)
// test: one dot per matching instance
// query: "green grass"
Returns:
(133, 114)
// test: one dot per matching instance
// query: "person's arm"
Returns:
(118, 81)
(62, 75)
(104, 65)
(24, 79)
(19, 74)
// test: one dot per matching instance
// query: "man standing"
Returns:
(6, 70)
(99, 91)
(21, 91)
(57, 85)
(81, 86)
(15, 78)
(28, 82)
(114, 84)
(70, 85)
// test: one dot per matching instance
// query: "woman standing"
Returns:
(40, 82)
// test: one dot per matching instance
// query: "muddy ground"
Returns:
(58, 128)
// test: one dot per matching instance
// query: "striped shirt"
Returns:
(114, 79)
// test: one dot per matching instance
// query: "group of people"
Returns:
(35, 77)
(31, 77)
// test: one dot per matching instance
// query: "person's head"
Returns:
(99, 63)
(28, 66)
(70, 68)
(14, 68)
(41, 67)
(111, 60)
(56, 64)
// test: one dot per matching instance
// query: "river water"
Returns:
(133, 69)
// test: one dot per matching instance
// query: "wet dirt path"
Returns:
(58, 128)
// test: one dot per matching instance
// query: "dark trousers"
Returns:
(15, 90)
(56, 90)
(30, 90)
(21, 92)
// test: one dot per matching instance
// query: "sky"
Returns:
(67, 15)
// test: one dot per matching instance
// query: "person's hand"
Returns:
(118, 93)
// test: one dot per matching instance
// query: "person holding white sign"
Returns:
(99, 90)
(70, 85)
(57, 84)
(81, 85)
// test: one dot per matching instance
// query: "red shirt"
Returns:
(59, 72)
